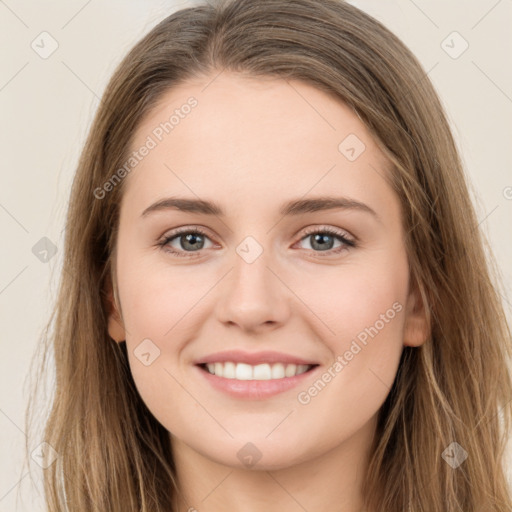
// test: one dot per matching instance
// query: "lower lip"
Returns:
(254, 389)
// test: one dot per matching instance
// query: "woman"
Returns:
(336, 343)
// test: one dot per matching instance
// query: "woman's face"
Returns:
(278, 280)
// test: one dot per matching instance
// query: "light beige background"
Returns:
(47, 107)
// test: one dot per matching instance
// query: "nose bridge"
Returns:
(253, 294)
(251, 279)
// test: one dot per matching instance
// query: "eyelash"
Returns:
(346, 242)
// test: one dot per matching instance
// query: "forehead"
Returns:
(237, 138)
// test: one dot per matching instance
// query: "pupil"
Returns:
(319, 239)
(192, 240)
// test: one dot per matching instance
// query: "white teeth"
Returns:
(229, 371)
(262, 372)
(243, 371)
(290, 370)
(277, 371)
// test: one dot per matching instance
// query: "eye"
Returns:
(189, 240)
(323, 239)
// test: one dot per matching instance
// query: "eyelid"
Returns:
(176, 232)
(329, 229)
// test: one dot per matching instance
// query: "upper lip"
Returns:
(253, 358)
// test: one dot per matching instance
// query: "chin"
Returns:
(259, 454)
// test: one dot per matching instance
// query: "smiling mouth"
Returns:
(265, 371)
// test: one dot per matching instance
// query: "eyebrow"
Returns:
(291, 208)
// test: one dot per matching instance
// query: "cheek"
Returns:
(161, 304)
(158, 308)
(367, 315)
(157, 297)
(357, 296)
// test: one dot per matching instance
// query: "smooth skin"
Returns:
(251, 145)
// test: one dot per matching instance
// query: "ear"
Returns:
(116, 328)
(417, 328)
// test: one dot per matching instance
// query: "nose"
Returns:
(253, 296)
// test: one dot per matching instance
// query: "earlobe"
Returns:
(416, 329)
(116, 329)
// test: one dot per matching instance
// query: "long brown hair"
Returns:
(113, 455)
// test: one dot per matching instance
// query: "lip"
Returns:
(253, 358)
(254, 389)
